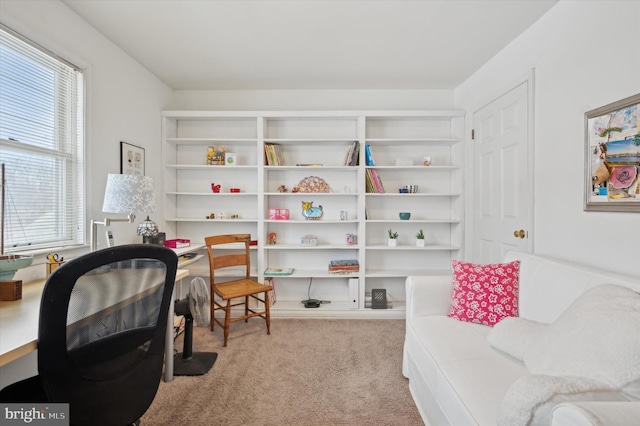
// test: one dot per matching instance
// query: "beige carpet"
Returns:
(307, 372)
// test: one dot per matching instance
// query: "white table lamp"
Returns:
(126, 194)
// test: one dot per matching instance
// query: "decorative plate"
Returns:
(312, 184)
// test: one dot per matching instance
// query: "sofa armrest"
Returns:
(428, 295)
(596, 413)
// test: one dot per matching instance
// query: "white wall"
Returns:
(124, 100)
(585, 54)
(312, 100)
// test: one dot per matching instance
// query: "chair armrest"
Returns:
(428, 295)
(596, 413)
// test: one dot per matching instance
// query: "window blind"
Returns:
(41, 146)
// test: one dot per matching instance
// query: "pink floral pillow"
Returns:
(484, 294)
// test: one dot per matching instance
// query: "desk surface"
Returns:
(19, 321)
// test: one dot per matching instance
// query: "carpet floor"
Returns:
(307, 372)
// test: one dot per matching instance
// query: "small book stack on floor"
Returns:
(344, 266)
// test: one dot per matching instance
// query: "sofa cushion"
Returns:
(513, 335)
(456, 364)
(596, 337)
(548, 286)
(484, 294)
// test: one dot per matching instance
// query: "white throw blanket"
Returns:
(597, 337)
(589, 353)
(528, 393)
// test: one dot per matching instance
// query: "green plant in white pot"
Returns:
(393, 238)
(420, 239)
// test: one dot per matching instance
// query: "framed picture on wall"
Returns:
(131, 159)
(612, 156)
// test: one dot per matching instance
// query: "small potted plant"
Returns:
(393, 238)
(420, 239)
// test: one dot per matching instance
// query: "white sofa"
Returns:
(457, 378)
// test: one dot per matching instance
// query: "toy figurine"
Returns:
(309, 212)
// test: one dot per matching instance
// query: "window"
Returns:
(41, 146)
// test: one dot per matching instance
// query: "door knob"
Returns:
(519, 234)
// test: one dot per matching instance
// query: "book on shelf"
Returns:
(368, 156)
(274, 271)
(273, 155)
(374, 183)
(344, 266)
(354, 268)
(377, 181)
(351, 159)
(370, 186)
(343, 262)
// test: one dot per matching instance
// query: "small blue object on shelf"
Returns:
(368, 156)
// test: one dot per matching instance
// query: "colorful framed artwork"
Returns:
(612, 157)
(131, 159)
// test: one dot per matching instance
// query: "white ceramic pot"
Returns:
(420, 243)
(393, 242)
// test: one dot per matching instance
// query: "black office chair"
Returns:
(101, 336)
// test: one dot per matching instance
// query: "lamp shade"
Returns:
(129, 194)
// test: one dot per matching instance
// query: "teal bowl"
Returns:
(405, 215)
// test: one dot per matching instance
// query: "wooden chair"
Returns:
(237, 288)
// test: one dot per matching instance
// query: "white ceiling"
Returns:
(305, 44)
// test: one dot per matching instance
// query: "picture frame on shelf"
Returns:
(230, 159)
(612, 156)
(131, 159)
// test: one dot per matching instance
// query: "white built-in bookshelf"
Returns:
(315, 146)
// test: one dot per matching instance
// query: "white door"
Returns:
(502, 207)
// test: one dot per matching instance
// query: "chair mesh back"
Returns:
(113, 299)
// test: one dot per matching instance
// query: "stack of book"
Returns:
(273, 155)
(351, 159)
(374, 183)
(344, 266)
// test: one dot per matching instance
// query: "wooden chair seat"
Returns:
(239, 288)
(237, 291)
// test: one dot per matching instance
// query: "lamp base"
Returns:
(156, 239)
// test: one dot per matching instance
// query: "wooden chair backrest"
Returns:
(226, 260)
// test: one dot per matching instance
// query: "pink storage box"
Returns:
(278, 214)
(177, 243)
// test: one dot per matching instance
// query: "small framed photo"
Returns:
(230, 159)
(131, 159)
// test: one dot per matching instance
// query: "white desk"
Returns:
(19, 325)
